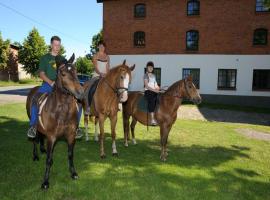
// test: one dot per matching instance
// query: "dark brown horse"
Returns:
(166, 113)
(111, 90)
(58, 114)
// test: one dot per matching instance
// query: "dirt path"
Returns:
(254, 134)
(220, 115)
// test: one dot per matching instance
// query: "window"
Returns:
(260, 36)
(261, 6)
(193, 7)
(139, 39)
(195, 73)
(192, 40)
(140, 10)
(261, 79)
(227, 79)
(157, 72)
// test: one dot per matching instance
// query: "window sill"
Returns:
(261, 90)
(262, 12)
(260, 45)
(139, 47)
(139, 18)
(195, 16)
(191, 51)
(230, 89)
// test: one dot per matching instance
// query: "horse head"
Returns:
(190, 91)
(123, 80)
(67, 80)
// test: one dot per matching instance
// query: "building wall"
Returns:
(172, 67)
(225, 27)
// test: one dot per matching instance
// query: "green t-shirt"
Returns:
(47, 64)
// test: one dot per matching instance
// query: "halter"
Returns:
(117, 90)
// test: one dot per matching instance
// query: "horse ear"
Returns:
(59, 60)
(124, 62)
(132, 67)
(189, 78)
(72, 58)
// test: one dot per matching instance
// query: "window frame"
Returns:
(199, 76)
(226, 87)
(253, 80)
(266, 34)
(135, 14)
(197, 46)
(194, 11)
(135, 44)
(261, 6)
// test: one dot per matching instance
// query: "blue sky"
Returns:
(74, 21)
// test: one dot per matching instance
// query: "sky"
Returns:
(74, 21)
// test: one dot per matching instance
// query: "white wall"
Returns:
(172, 65)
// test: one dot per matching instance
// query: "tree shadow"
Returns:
(137, 173)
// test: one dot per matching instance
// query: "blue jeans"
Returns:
(45, 88)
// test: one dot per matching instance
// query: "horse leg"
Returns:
(126, 129)
(49, 162)
(35, 152)
(101, 136)
(72, 170)
(41, 141)
(86, 127)
(96, 129)
(113, 125)
(164, 132)
(132, 127)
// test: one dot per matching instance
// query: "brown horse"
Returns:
(58, 114)
(111, 90)
(166, 113)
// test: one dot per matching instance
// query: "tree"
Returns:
(84, 65)
(267, 3)
(33, 48)
(4, 52)
(95, 40)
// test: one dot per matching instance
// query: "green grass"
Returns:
(208, 160)
(20, 82)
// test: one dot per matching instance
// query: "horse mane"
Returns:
(172, 88)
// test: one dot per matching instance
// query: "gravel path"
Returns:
(254, 134)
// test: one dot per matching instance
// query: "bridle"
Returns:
(118, 90)
(186, 90)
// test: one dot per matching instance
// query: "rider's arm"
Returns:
(43, 76)
(146, 81)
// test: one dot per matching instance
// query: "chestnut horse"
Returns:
(58, 114)
(111, 90)
(166, 113)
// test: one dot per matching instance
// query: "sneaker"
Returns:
(32, 132)
(79, 133)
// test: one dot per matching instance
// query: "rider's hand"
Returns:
(52, 83)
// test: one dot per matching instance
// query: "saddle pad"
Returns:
(142, 104)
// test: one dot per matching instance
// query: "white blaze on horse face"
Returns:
(124, 95)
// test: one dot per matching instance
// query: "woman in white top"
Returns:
(151, 89)
(101, 61)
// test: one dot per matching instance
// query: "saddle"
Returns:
(143, 103)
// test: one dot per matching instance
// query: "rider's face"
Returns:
(56, 46)
(149, 69)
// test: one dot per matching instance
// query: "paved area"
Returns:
(14, 94)
(220, 115)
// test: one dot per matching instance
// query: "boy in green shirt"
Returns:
(47, 72)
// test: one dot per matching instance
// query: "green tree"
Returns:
(84, 65)
(95, 40)
(267, 3)
(4, 52)
(32, 49)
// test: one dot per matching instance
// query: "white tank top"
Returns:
(151, 81)
(101, 65)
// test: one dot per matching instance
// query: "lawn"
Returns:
(208, 160)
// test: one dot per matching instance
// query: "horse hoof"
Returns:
(35, 158)
(126, 144)
(103, 156)
(74, 176)
(87, 139)
(115, 154)
(96, 139)
(163, 158)
(45, 185)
